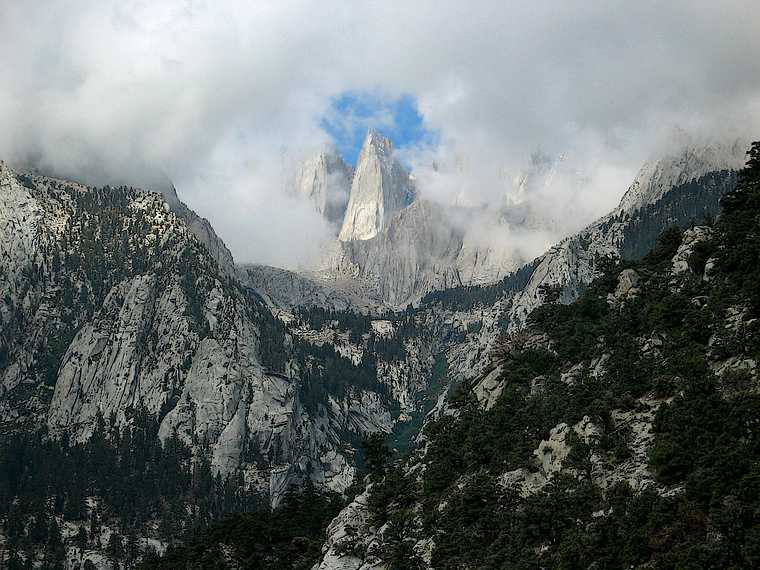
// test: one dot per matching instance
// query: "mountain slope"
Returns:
(674, 190)
(576, 447)
(111, 303)
(114, 309)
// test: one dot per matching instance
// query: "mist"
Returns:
(225, 99)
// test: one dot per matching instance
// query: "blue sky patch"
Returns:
(352, 113)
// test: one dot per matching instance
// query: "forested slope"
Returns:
(622, 430)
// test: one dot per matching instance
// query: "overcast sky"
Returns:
(223, 96)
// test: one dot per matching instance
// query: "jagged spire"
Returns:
(374, 139)
(380, 187)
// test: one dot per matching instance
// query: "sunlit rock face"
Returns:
(380, 187)
(421, 249)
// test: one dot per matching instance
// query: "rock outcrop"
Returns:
(413, 254)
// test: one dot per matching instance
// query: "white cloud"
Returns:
(223, 96)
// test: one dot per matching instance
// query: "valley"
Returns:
(125, 321)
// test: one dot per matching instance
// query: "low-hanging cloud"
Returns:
(224, 97)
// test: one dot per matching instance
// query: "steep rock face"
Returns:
(325, 180)
(431, 246)
(480, 263)
(286, 289)
(397, 247)
(423, 248)
(411, 255)
(101, 371)
(20, 217)
(380, 187)
(21, 236)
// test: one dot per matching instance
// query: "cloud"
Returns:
(224, 97)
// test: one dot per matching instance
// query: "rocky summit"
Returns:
(380, 187)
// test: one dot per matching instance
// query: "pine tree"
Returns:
(132, 548)
(94, 525)
(115, 550)
(81, 539)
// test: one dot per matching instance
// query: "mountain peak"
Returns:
(380, 187)
(374, 139)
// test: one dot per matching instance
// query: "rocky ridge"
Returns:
(674, 185)
(200, 228)
(420, 246)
